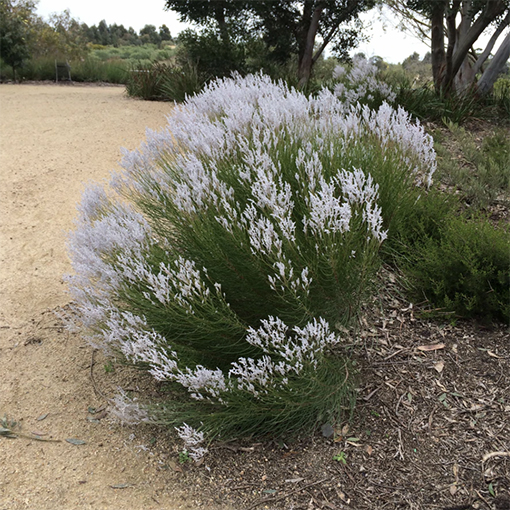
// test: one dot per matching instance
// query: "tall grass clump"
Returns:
(164, 82)
(146, 80)
(93, 70)
(183, 81)
(234, 244)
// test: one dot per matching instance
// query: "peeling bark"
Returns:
(489, 77)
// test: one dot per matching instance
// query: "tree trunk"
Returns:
(437, 46)
(306, 60)
(489, 77)
(219, 16)
(463, 80)
(452, 40)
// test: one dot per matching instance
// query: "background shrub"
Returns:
(479, 171)
(465, 270)
(146, 80)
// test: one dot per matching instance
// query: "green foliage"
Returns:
(479, 171)
(501, 96)
(286, 29)
(118, 36)
(146, 81)
(60, 37)
(15, 17)
(425, 104)
(184, 457)
(133, 54)
(459, 263)
(182, 82)
(212, 55)
(466, 271)
(424, 218)
(88, 70)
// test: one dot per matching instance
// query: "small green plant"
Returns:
(8, 428)
(184, 457)
(108, 367)
(340, 457)
(11, 429)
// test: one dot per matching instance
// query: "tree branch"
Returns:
(486, 82)
(483, 57)
(346, 14)
(491, 11)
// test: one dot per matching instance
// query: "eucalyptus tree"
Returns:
(300, 27)
(454, 28)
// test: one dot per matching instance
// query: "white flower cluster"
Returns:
(179, 282)
(192, 440)
(127, 410)
(395, 127)
(284, 279)
(304, 347)
(139, 343)
(202, 379)
(360, 82)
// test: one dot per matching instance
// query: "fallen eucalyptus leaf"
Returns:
(439, 366)
(432, 347)
(76, 442)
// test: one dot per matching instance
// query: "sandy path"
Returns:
(53, 139)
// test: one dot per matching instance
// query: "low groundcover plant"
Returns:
(233, 246)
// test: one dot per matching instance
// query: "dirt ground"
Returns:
(53, 140)
(431, 429)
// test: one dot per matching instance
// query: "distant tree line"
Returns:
(24, 35)
(119, 35)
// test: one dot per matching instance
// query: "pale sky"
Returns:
(392, 45)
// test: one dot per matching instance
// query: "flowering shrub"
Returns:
(360, 83)
(234, 242)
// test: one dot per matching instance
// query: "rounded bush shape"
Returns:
(234, 244)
